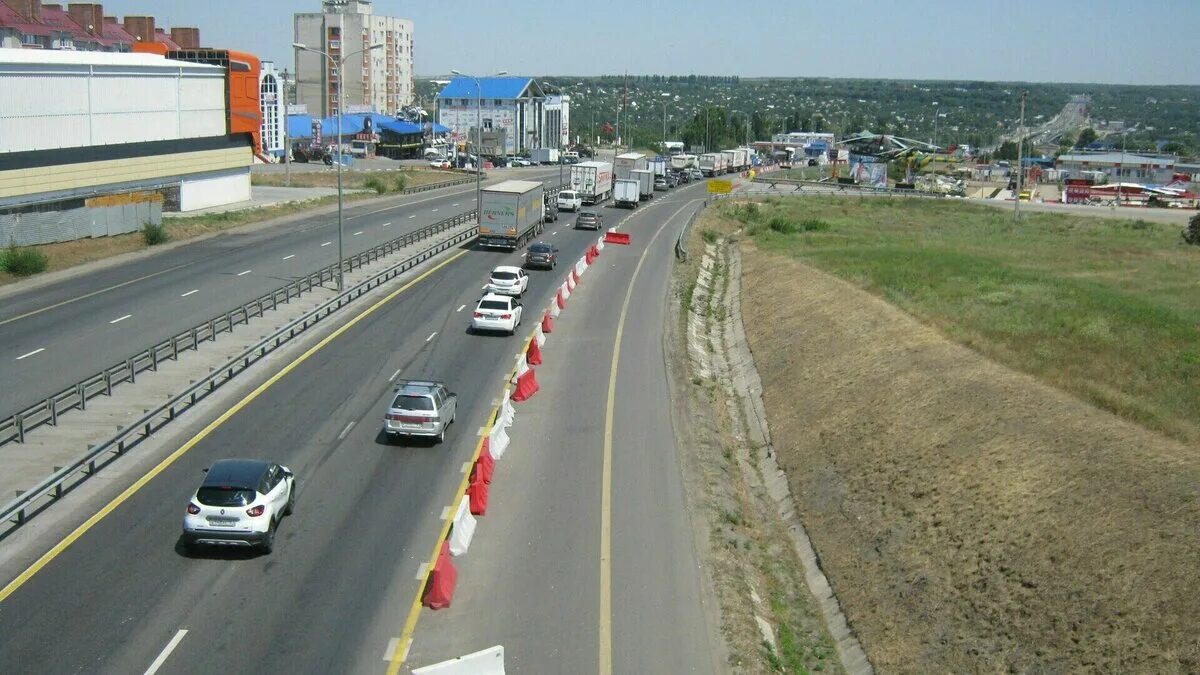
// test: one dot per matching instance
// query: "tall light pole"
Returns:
(478, 141)
(1020, 151)
(933, 141)
(287, 143)
(560, 155)
(338, 68)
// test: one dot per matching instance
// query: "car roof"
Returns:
(546, 244)
(238, 473)
(506, 268)
(495, 296)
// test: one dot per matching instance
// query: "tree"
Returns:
(1007, 150)
(1086, 138)
(1191, 234)
(1175, 148)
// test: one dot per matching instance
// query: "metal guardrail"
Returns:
(20, 509)
(681, 252)
(434, 186)
(76, 396)
(833, 186)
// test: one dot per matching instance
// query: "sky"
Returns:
(1101, 41)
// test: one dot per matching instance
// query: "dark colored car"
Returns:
(589, 220)
(541, 254)
(551, 210)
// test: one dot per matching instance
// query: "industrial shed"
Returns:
(95, 143)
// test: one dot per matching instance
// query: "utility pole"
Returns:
(1020, 151)
(287, 143)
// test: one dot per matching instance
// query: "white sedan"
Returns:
(508, 280)
(499, 313)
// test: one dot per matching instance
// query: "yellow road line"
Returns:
(170, 459)
(606, 473)
(414, 611)
(85, 296)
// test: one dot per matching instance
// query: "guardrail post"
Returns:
(81, 392)
(175, 348)
(154, 359)
(19, 419)
(52, 406)
(129, 363)
(107, 382)
(212, 329)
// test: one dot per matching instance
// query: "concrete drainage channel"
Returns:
(717, 349)
(110, 425)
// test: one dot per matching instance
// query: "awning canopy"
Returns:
(401, 127)
(300, 126)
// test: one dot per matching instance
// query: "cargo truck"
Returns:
(627, 192)
(630, 161)
(511, 214)
(731, 160)
(713, 163)
(592, 180)
(683, 162)
(544, 156)
(645, 179)
(659, 166)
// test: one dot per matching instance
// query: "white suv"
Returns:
(569, 200)
(497, 313)
(421, 408)
(239, 504)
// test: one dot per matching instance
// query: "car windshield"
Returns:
(493, 304)
(539, 248)
(587, 215)
(224, 495)
(567, 194)
(504, 276)
(413, 402)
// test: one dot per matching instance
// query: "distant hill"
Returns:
(980, 114)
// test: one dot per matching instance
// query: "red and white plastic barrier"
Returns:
(477, 493)
(508, 413)
(497, 442)
(463, 530)
(547, 322)
(442, 579)
(489, 661)
(534, 354)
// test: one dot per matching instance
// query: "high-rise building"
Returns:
(380, 80)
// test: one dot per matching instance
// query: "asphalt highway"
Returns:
(335, 592)
(56, 335)
(533, 578)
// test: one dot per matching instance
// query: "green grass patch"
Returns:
(155, 234)
(379, 181)
(1107, 309)
(22, 261)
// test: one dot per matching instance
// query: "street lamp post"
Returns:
(933, 141)
(478, 141)
(338, 66)
(287, 142)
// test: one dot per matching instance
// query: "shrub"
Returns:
(155, 234)
(401, 182)
(376, 183)
(1191, 234)
(782, 225)
(709, 236)
(23, 261)
(814, 225)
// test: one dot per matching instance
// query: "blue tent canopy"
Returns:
(440, 128)
(400, 127)
(351, 124)
(299, 126)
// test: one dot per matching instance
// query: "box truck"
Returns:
(713, 163)
(731, 160)
(645, 179)
(683, 162)
(511, 213)
(626, 192)
(630, 161)
(659, 166)
(592, 180)
(544, 156)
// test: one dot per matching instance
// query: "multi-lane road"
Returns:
(56, 335)
(593, 462)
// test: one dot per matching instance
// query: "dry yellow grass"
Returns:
(355, 179)
(971, 518)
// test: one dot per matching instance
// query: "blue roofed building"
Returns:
(512, 113)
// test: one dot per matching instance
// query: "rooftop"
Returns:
(1115, 158)
(116, 59)
(504, 88)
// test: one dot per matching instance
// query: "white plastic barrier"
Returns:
(554, 310)
(539, 336)
(522, 367)
(490, 661)
(464, 528)
(570, 283)
(508, 414)
(566, 290)
(600, 244)
(581, 266)
(498, 442)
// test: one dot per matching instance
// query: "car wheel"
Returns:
(268, 542)
(441, 437)
(291, 502)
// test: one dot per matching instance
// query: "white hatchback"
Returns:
(508, 280)
(494, 312)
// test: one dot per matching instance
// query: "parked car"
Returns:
(696, 174)
(569, 200)
(541, 254)
(440, 164)
(420, 408)
(519, 161)
(672, 180)
(589, 220)
(495, 312)
(660, 184)
(508, 280)
(239, 504)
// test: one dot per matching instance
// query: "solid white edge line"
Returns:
(119, 319)
(244, 273)
(194, 290)
(39, 350)
(166, 652)
(289, 257)
(349, 425)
